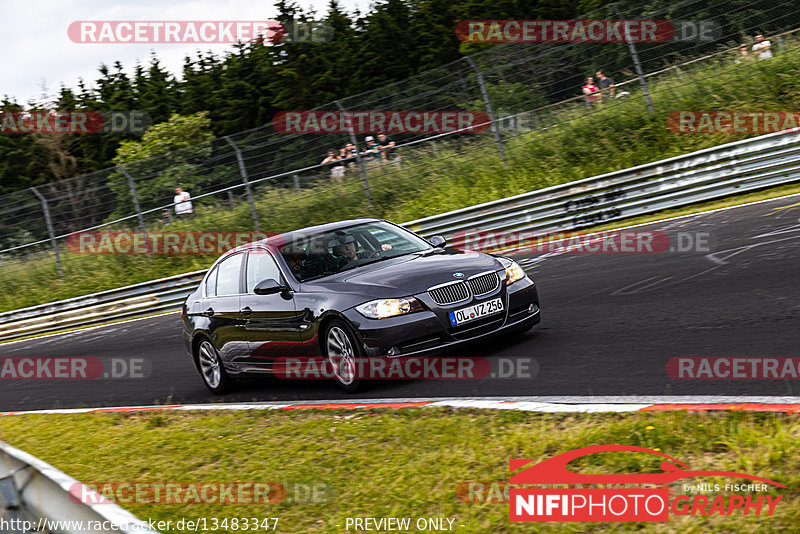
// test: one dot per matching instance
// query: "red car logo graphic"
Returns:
(554, 470)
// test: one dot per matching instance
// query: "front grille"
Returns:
(450, 293)
(484, 284)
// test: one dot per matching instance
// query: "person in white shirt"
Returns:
(183, 204)
(762, 49)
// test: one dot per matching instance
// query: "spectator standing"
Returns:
(386, 146)
(370, 153)
(336, 163)
(348, 154)
(591, 92)
(762, 49)
(605, 84)
(183, 203)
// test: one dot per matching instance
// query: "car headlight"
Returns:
(514, 273)
(384, 308)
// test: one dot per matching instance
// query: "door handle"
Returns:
(209, 312)
(247, 310)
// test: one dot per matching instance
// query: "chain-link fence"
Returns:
(250, 180)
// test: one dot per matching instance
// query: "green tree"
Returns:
(169, 154)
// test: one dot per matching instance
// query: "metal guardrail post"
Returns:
(296, 182)
(636, 65)
(246, 181)
(360, 163)
(488, 103)
(136, 206)
(50, 231)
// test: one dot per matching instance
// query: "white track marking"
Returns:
(546, 404)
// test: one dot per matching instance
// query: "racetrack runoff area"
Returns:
(434, 463)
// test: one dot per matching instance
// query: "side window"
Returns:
(260, 266)
(228, 273)
(211, 284)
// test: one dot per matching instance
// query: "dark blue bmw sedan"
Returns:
(348, 290)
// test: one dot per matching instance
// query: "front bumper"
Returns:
(427, 331)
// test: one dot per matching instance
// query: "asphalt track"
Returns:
(611, 322)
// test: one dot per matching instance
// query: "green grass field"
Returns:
(406, 463)
(615, 137)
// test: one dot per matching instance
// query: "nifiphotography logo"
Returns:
(618, 501)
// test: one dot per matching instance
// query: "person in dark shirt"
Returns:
(344, 249)
(605, 84)
(386, 146)
(348, 155)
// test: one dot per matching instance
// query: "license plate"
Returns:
(476, 311)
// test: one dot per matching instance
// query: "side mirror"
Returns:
(269, 287)
(438, 241)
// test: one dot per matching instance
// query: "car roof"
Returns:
(278, 240)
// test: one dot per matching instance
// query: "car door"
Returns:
(272, 324)
(221, 306)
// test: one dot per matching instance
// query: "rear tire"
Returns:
(211, 369)
(342, 352)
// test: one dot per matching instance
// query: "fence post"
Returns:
(360, 163)
(136, 206)
(50, 231)
(636, 65)
(135, 197)
(296, 183)
(246, 181)
(485, 95)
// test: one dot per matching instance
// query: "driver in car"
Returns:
(344, 248)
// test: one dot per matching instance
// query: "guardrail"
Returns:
(163, 295)
(52, 501)
(708, 174)
(713, 173)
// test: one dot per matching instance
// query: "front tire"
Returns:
(211, 369)
(342, 352)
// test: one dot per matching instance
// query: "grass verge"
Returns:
(406, 463)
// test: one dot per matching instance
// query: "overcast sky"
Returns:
(38, 56)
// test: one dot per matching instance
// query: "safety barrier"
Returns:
(37, 497)
(163, 295)
(709, 174)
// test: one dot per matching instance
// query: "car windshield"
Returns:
(314, 255)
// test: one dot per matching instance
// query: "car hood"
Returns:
(411, 274)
